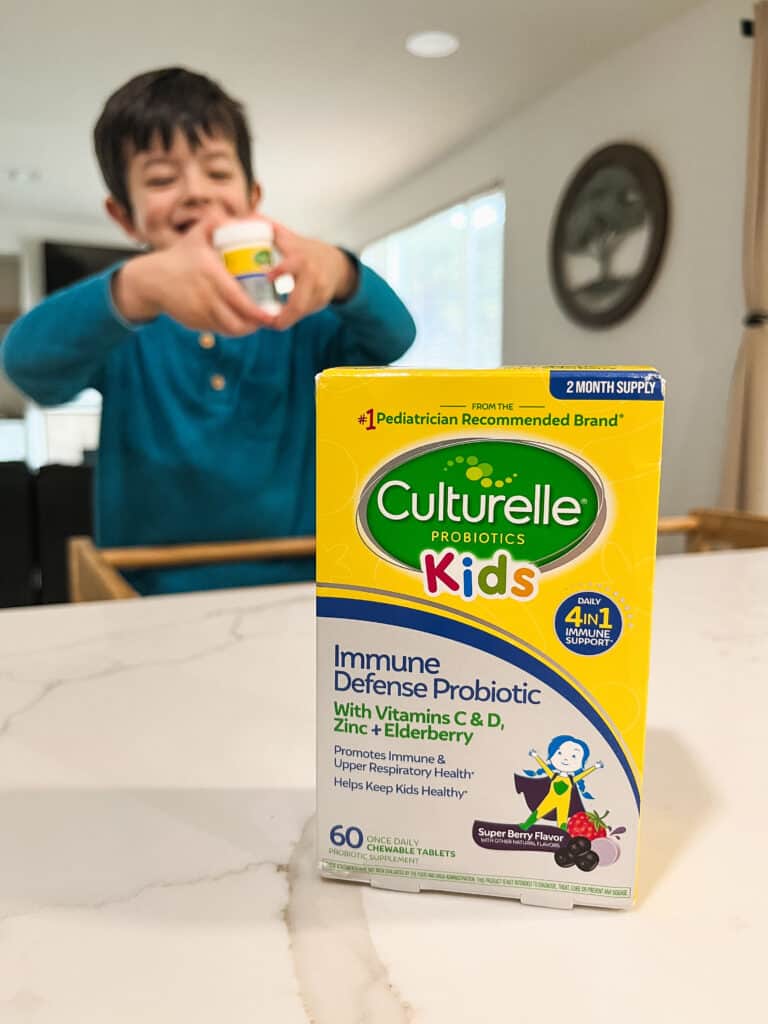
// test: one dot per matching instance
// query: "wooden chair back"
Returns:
(94, 573)
(708, 529)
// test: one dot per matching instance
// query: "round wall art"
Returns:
(609, 235)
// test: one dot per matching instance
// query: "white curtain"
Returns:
(745, 476)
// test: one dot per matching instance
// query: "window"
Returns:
(448, 269)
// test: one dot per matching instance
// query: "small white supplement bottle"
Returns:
(248, 250)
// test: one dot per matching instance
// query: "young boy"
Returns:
(207, 429)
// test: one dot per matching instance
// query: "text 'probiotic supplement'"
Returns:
(485, 558)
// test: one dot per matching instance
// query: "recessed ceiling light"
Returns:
(432, 44)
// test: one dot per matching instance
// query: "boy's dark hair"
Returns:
(159, 103)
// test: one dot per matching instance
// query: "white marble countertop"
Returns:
(156, 856)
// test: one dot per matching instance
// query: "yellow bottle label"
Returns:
(252, 259)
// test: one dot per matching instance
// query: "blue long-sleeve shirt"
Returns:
(203, 437)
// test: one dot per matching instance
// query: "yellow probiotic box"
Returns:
(485, 557)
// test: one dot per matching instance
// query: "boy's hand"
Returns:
(190, 283)
(322, 274)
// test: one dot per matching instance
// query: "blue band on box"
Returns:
(607, 385)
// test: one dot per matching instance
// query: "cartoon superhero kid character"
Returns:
(564, 767)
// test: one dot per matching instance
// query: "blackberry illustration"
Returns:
(578, 845)
(587, 861)
(564, 859)
(571, 849)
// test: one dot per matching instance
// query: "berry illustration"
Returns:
(590, 825)
(607, 849)
(571, 849)
(577, 845)
(564, 859)
(587, 861)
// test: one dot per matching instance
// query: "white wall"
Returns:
(682, 93)
(16, 226)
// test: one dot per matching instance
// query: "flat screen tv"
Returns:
(65, 264)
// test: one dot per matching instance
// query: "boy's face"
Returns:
(172, 189)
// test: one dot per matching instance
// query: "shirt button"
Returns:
(206, 340)
(218, 383)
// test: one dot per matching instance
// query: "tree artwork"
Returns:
(607, 211)
(609, 235)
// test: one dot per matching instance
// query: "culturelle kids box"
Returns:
(485, 558)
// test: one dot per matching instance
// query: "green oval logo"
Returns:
(541, 504)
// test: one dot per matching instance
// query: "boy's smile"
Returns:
(172, 189)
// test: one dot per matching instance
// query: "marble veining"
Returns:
(136, 894)
(235, 633)
(341, 977)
